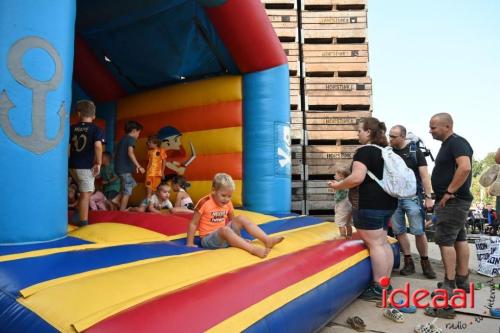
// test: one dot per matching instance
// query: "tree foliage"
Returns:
(478, 167)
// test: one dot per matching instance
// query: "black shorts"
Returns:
(450, 222)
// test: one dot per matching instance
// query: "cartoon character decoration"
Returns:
(177, 160)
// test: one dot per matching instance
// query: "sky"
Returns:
(431, 56)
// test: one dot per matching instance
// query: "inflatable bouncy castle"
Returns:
(210, 78)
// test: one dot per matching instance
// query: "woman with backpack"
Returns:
(373, 207)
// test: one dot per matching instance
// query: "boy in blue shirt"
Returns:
(126, 162)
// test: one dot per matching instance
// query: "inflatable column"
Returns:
(36, 61)
(248, 34)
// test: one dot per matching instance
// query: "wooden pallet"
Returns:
(294, 86)
(333, 4)
(338, 86)
(330, 135)
(279, 4)
(332, 53)
(330, 152)
(337, 36)
(291, 51)
(319, 207)
(296, 120)
(338, 103)
(298, 206)
(297, 135)
(318, 190)
(294, 67)
(321, 20)
(329, 69)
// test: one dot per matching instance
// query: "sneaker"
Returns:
(372, 293)
(394, 314)
(463, 283)
(449, 285)
(427, 269)
(428, 328)
(408, 268)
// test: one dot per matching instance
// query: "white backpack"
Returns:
(397, 180)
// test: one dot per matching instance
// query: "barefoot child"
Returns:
(219, 228)
(159, 202)
(343, 207)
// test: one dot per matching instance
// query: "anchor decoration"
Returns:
(37, 142)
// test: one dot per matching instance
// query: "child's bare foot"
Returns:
(260, 252)
(272, 241)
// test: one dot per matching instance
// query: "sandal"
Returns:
(428, 328)
(445, 313)
(394, 315)
(356, 323)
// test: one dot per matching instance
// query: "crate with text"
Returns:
(336, 20)
(335, 54)
(338, 86)
(330, 5)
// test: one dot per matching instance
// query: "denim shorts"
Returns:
(214, 241)
(372, 219)
(450, 222)
(128, 183)
(413, 210)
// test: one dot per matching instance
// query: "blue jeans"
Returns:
(412, 208)
(372, 219)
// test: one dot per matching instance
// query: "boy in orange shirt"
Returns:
(218, 228)
(156, 163)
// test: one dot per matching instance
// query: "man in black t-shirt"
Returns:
(412, 207)
(451, 181)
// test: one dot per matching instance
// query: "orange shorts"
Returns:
(152, 182)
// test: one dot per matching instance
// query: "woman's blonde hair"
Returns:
(223, 180)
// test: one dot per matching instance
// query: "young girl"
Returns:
(343, 207)
(179, 185)
(156, 164)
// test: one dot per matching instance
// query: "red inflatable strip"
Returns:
(204, 167)
(208, 303)
(220, 115)
(167, 224)
(246, 31)
(93, 76)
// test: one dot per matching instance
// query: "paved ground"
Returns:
(376, 322)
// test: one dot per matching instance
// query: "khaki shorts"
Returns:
(84, 178)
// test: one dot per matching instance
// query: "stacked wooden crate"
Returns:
(326, 45)
(337, 91)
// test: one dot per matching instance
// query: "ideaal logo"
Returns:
(417, 297)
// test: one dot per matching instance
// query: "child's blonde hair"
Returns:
(86, 108)
(342, 171)
(223, 180)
